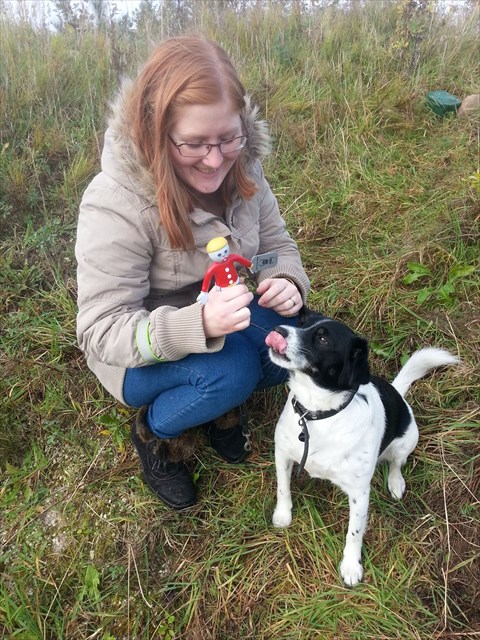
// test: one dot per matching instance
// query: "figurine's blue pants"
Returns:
(200, 387)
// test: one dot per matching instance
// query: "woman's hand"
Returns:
(281, 295)
(227, 310)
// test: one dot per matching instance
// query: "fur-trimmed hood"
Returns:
(121, 159)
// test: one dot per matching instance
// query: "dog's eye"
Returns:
(322, 339)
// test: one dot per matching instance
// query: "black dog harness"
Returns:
(305, 415)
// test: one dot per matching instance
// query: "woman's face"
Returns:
(208, 124)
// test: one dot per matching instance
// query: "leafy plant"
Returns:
(441, 292)
(89, 589)
(113, 424)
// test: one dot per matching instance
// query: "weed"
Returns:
(442, 292)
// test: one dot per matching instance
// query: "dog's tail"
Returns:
(419, 364)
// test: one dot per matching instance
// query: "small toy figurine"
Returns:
(222, 269)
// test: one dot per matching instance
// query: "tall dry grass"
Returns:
(382, 197)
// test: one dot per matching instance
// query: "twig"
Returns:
(458, 478)
(130, 552)
(445, 571)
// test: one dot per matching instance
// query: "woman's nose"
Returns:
(214, 158)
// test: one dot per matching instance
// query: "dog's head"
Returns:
(326, 350)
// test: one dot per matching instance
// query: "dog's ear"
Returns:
(305, 314)
(359, 369)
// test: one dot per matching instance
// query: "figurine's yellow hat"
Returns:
(215, 244)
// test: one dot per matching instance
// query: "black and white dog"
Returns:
(339, 420)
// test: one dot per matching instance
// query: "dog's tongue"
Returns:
(276, 342)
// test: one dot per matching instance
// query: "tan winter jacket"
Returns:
(128, 274)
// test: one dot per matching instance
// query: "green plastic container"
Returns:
(442, 102)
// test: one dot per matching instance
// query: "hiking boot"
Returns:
(229, 435)
(164, 469)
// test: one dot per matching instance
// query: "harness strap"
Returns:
(303, 437)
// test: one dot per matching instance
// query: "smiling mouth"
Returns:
(207, 172)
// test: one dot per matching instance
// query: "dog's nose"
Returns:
(282, 330)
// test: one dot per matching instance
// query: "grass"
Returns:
(383, 199)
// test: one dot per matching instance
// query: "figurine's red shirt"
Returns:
(224, 272)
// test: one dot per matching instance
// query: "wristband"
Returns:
(142, 338)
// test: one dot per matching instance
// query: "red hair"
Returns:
(183, 70)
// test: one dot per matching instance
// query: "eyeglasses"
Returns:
(200, 150)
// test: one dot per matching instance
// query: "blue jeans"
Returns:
(203, 386)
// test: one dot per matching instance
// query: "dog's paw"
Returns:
(396, 485)
(282, 517)
(351, 571)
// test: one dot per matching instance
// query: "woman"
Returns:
(180, 166)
